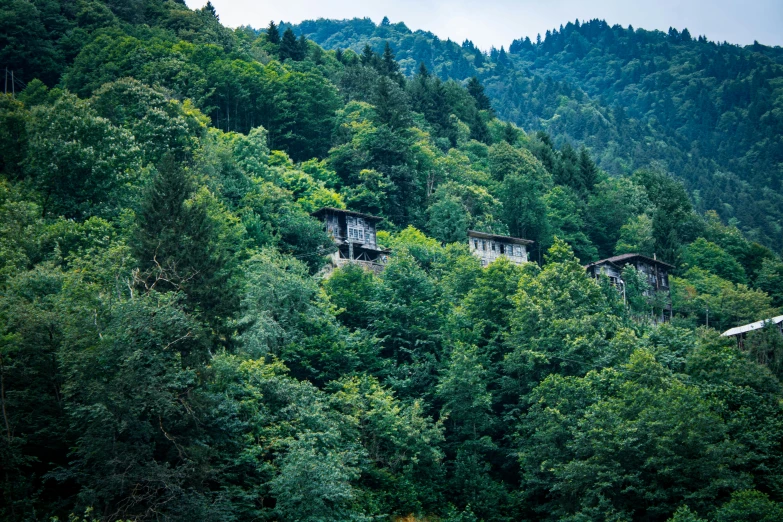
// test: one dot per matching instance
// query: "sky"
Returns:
(497, 22)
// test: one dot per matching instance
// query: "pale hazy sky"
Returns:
(498, 22)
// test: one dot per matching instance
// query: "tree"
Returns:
(564, 217)
(614, 203)
(712, 258)
(588, 172)
(770, 280)
(672, 210)
(368, 56)
(678, 440)
(389, 66)
(476, 90)
(272, 33)
(290, 49)
(636, 237)
(749, 505)
(391, 107)
(182, 241)
(80, 163)
(129, 388)
(449, 220)
(563, 322)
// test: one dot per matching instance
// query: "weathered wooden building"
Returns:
(489, 247)
(354, 236)
(656, 272)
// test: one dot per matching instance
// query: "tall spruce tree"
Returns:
(389, 66)
(178, 247)
(368, 56)
(587, 170)
(272, 33)
(476, 90)
(290, 47)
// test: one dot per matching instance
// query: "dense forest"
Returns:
(170, 345)
(709, 113)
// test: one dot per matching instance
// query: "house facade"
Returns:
(489, 247)
(354, 236)
(655, 271)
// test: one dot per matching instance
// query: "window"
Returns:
(483, 245)
(493, 247)
(502, 249)
(475, 244)
(361, 235)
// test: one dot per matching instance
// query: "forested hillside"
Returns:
(708, 113)
(170, 348)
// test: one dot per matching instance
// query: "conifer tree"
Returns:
(210, 9)
(587, 170)
(389, 65)
(272, 33)
(476, 90)
(510, 134)
(290, 47)
(302, 48)
(177, 244)
(368, 57)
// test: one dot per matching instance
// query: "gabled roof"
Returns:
(332, 210)
(601, 263)
(506, 239)
(626, 258)
(758, 325)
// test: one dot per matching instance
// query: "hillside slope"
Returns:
(709, 113)
(170, 348)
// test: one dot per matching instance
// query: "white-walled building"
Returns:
(489, 247)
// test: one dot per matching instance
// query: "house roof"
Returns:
(507, 239)
(626, 258)
(332, 210)
(758, 325)
(601, 263)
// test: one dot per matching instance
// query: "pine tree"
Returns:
(272, 33)
(302, 48)
(587, 170)
(476, 90)
(289, 46)
(368, 56)
(510, 134)
(178, 246)
(210, 9)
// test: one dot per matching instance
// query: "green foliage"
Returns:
(186, 242)
(729, 304)
(635, 426)
(712, 258)
(80, 164)
(171, 349)
(749, 505)
(636, 237)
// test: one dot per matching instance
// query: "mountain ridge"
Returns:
(653, 110)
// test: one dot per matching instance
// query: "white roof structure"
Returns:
(758, 325)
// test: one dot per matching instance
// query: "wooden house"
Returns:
(656, 272)
(489, 247)
(354, 237)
